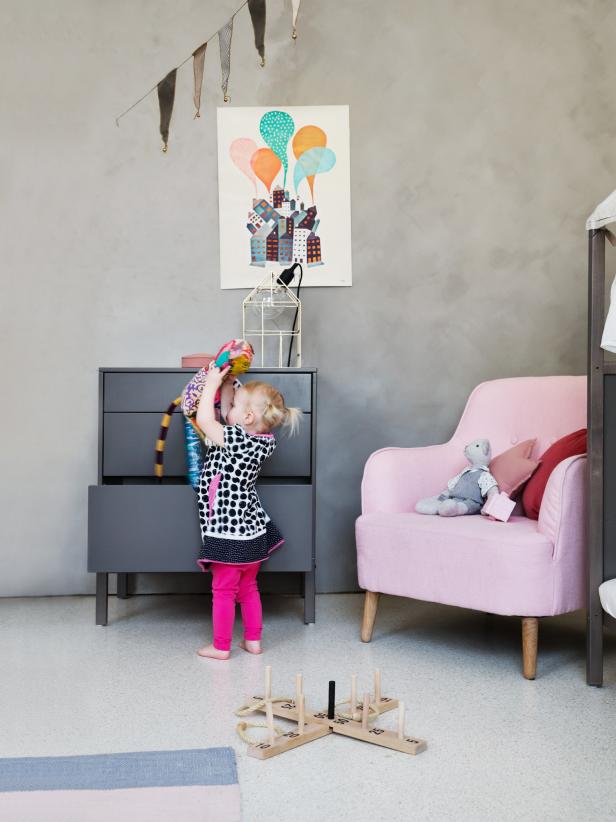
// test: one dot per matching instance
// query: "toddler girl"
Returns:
(236, 532)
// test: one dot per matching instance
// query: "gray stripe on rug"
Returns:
(142, 769)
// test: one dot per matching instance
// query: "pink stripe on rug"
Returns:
(198, 803)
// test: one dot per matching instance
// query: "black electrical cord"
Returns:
(286, 277)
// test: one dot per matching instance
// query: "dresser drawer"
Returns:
(142, 390)
(154, 391)
(295, 388)
(129, 443)
(143, 528)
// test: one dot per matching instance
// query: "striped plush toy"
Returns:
(238, 355)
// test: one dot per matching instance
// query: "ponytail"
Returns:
(292, 417)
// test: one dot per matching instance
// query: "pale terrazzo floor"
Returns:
(500, 748)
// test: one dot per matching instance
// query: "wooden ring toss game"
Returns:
(354, 722)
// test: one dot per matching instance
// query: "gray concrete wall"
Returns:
(482, 134)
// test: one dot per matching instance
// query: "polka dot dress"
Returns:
(234, 527)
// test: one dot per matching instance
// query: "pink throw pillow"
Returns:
(514, 467)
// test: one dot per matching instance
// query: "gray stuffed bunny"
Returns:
(468, 490)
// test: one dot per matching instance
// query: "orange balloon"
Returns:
(309, 137)
(265, 165)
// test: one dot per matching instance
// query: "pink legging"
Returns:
(231, 584)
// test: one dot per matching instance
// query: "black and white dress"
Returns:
(234, 527)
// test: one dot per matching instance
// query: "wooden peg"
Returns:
(299, 689)
(377, 686)
(268, 681)
(270, 721)
(400, 720)
(353, 694)
(365, 710)
(300, 716)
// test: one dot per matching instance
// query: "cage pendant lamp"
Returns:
(271, 317)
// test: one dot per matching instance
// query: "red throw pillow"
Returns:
(568, 446)
(512, 468)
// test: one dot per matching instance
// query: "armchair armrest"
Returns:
(396, 478)
(562, 512)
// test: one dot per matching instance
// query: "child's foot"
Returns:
(253, 646)
(213, 653)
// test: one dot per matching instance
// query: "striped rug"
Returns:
(158, 786)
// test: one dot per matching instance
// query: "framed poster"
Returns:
(284, 194)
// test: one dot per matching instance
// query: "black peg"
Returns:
(331, 706)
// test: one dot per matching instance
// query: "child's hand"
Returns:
(215, 375)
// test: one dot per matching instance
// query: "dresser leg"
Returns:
(123, 585)
(102, 587)
(309, 597)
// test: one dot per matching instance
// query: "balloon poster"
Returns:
(284, 194)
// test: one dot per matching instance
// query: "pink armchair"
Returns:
(524, 567)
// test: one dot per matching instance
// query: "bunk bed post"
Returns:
(596, 307)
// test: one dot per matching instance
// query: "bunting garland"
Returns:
(224, 44)
(295, 5)
(166, 87)
(257, 15)
(166, 98)
(198, 66)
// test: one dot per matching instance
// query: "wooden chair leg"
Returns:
(530, 632)
(371, 602)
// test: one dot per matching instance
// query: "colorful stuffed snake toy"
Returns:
(238, 355)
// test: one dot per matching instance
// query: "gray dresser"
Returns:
(139, 524)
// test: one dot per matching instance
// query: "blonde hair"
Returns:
(269, 402)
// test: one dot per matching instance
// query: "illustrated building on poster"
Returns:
(288, 229)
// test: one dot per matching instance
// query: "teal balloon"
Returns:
(276, 128)
(313, 161)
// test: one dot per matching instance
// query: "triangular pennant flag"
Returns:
(224, 44)
(257, 15)
(295, 4)
(198, 65)
(166, 97)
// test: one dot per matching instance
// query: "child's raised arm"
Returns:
(206, 418)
